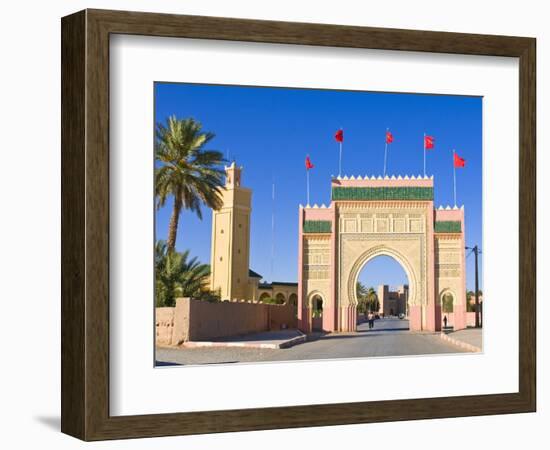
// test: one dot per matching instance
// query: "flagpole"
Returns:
(454, 176)
(307, 177)
(386, 151)
(340, 162)
(424, 154)
(272, 228)
(340, 159)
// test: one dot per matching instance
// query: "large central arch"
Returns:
(366, 257)
(408, 249)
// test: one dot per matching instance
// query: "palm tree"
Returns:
(177, 276)
(187, 172)
(367, 298)
(361, 290)
(372, 300)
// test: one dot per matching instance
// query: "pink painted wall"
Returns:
(459, 316)
(317, 213)
(468, 321)
(330, 316)
(302, 310)
(430, 307)
(449, 214)
(415, 318)
(328, 321)
(196, 320)
(348, 318)
(471, 319)
(461, 319)
(438, 317)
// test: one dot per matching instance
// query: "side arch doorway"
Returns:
(316, 304)
(293, 299)
(446, 306)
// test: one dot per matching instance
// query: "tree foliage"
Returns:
(177, 275)
(447, 303)
(186, 171)
(367, 299)
(270, 301)
(470, 300)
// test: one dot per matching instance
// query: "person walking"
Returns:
(445, 322)
(370, 318)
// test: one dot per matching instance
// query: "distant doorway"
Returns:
(317, 313)
(293, 300)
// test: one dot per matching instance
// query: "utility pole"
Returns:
(475, 250)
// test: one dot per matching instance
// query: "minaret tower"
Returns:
(230, 254)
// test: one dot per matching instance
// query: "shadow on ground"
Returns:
(381, 330)
(275, 335)
(168, 363)
(51, 422)
(317, 335)
(165, 363)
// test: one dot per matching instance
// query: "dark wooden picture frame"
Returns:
(85, 224)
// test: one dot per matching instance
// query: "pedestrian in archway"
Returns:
(370, 318)
(445, 322)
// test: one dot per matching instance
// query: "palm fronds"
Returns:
(187, 171)
(177, 275)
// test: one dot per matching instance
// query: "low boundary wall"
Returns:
(470, 319)
(197, 320)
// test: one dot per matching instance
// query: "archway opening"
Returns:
(447, 310)
(265, 297)
(293, 300)
(382, 289)
(317, 313)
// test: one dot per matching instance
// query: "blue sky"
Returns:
(269, 131)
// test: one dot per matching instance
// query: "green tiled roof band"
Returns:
(382, 193)
(448, 226)
(317, 226)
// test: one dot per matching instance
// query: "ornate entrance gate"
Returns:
(371, 217)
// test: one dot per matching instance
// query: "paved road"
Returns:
(472, 336)
(390, 337)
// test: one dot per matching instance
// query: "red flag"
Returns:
(429, 142)
(339, 136)
(389, 137)
(309, 164)
(458, 161)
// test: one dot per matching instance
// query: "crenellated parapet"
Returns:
(382, 188)
(449, 219)
(366, 178)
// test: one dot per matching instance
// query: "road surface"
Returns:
(390, 337)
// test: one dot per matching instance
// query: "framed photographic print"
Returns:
(273, 225)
